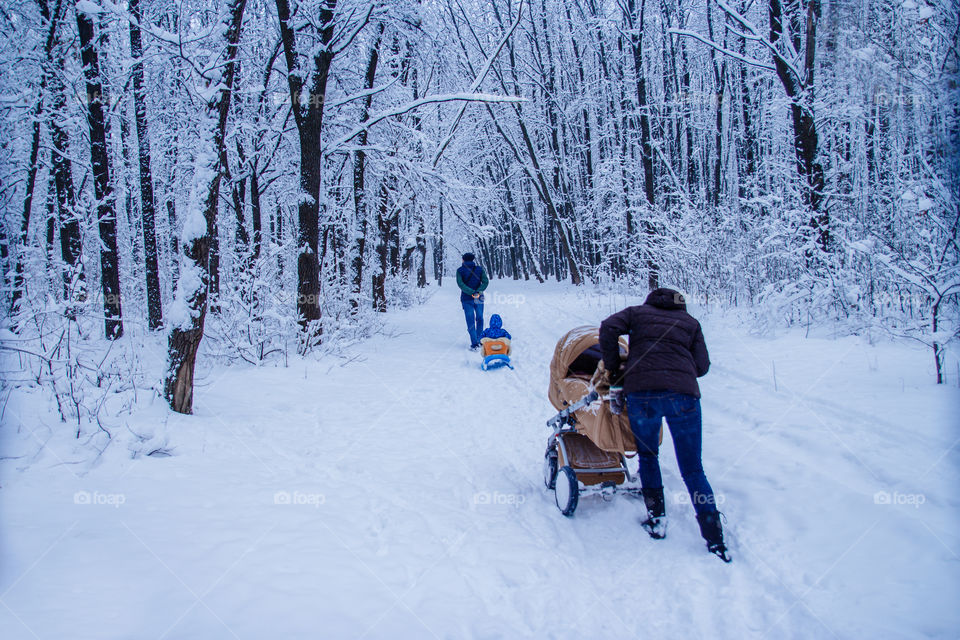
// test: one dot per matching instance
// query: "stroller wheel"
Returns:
(550, 471)
(567, 491)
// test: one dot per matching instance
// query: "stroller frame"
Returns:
(596, 478)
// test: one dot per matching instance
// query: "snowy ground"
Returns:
(397, 493)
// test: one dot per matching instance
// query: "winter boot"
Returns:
(656, 523)
(712, 532)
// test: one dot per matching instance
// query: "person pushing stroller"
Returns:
(659, 380)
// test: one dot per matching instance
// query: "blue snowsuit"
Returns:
(496, 329)
(496, 356)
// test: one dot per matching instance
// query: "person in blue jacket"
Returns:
(472, 280)
(495, 344)
(495, 330)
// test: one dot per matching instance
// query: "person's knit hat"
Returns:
(468, 257)
(666, 298)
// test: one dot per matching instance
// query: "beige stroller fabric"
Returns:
(607, 431)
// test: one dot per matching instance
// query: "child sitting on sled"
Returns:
(495, 343)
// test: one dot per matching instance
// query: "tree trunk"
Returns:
(308, 115)
(422, 251)
(172, 155)
(278, 240)
(256, 213)
(379, 278)
(103, 190)
(174, 243)
(70, 245)
(937, 349)
(184, 340)
(147, 203)
(74, 286)
(4, 256)
(213, 265)
(238, 194)
(438, 249)
(394, 239)
(53, 20)
(51, 233)
(359, 177)
(800, 92)
(749, 138)
(635, 24)
(720, 80)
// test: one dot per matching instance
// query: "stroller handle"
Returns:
(556, 421)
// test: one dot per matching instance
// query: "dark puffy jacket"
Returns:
(667, 350)
(471, 278)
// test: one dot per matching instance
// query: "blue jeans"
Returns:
(473, 312)
(682, 411)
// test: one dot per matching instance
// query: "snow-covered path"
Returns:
(397, 493)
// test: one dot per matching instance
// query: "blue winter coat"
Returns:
(471, 278)
(495, 330)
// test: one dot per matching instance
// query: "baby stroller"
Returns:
(495, 345)
(589, 444)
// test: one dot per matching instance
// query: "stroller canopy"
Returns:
(575, 362)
